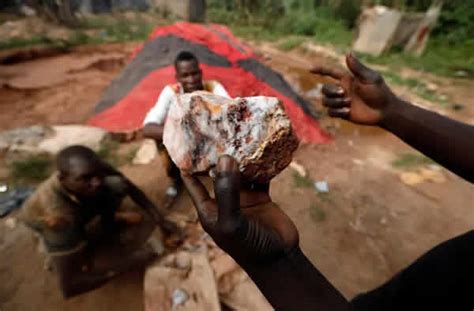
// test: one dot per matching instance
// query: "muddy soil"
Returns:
(369, 226)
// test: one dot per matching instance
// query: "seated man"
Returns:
(64, 208)
(189, 77)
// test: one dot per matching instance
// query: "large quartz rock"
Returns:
(254, 130)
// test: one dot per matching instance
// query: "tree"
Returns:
(59, 11)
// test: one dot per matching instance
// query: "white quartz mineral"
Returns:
(254, 130)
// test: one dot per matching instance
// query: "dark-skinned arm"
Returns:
(448, 142)
(142, 200)
(291, 282)
(77, 274)
(72, 280)
(363, 97)
(262, 240)
(154, 131)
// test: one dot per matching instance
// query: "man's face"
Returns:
(82, 179)
(189, 75)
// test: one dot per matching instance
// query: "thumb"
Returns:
(227, 191)
(360, 71)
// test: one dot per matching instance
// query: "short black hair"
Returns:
(185, 56)
(81, 152)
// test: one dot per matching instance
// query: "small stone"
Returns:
(3, 188)
(146, 153)
(299, 168)
(179, 297)
(458, 107)
(431, 87)
(411, 178)
(11, 223)
(321, 186)
(183, 261)
(254, 130)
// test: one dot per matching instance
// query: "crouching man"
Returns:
(75, 213)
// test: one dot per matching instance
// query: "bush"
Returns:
(291, 43)
(456, 22)
(298, 23)
(31, 169)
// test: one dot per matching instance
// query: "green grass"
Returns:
(302, 182)
(333, 31)
(417, 86)
(32, 169)
(130, 155)
(255, 32)
(111, 31)
(294, 28)
(439, 58)
(406, 161)
(20, 42)
(291, 43)
(108, 152)
(317, 213)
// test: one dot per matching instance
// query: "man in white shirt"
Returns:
(189, 78)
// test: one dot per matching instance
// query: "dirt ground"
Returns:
(369, 226)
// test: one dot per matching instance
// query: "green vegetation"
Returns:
(417, 86)
(302, 182)
(108, 152)
(20, 42)
(317, 213)
(318, 24)
(130, 155)
(32, 169)
(111, 152)
(291, 43)
(406, 161)
(440, 57)
(449, 51)
(117, 29)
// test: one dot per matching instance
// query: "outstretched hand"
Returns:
(361, 95)
(243, 222)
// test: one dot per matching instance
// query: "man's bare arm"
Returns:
(448, 142)
(142, 200)
(154, 131)
(72, 280)
(78, 274)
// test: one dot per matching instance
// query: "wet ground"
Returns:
(369, 226)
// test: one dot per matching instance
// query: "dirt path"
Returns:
(368, 227)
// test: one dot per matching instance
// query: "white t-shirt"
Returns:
(159, 112)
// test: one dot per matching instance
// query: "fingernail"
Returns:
(340, 91)
(347, 100)
(212, 173)
(226, 163)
